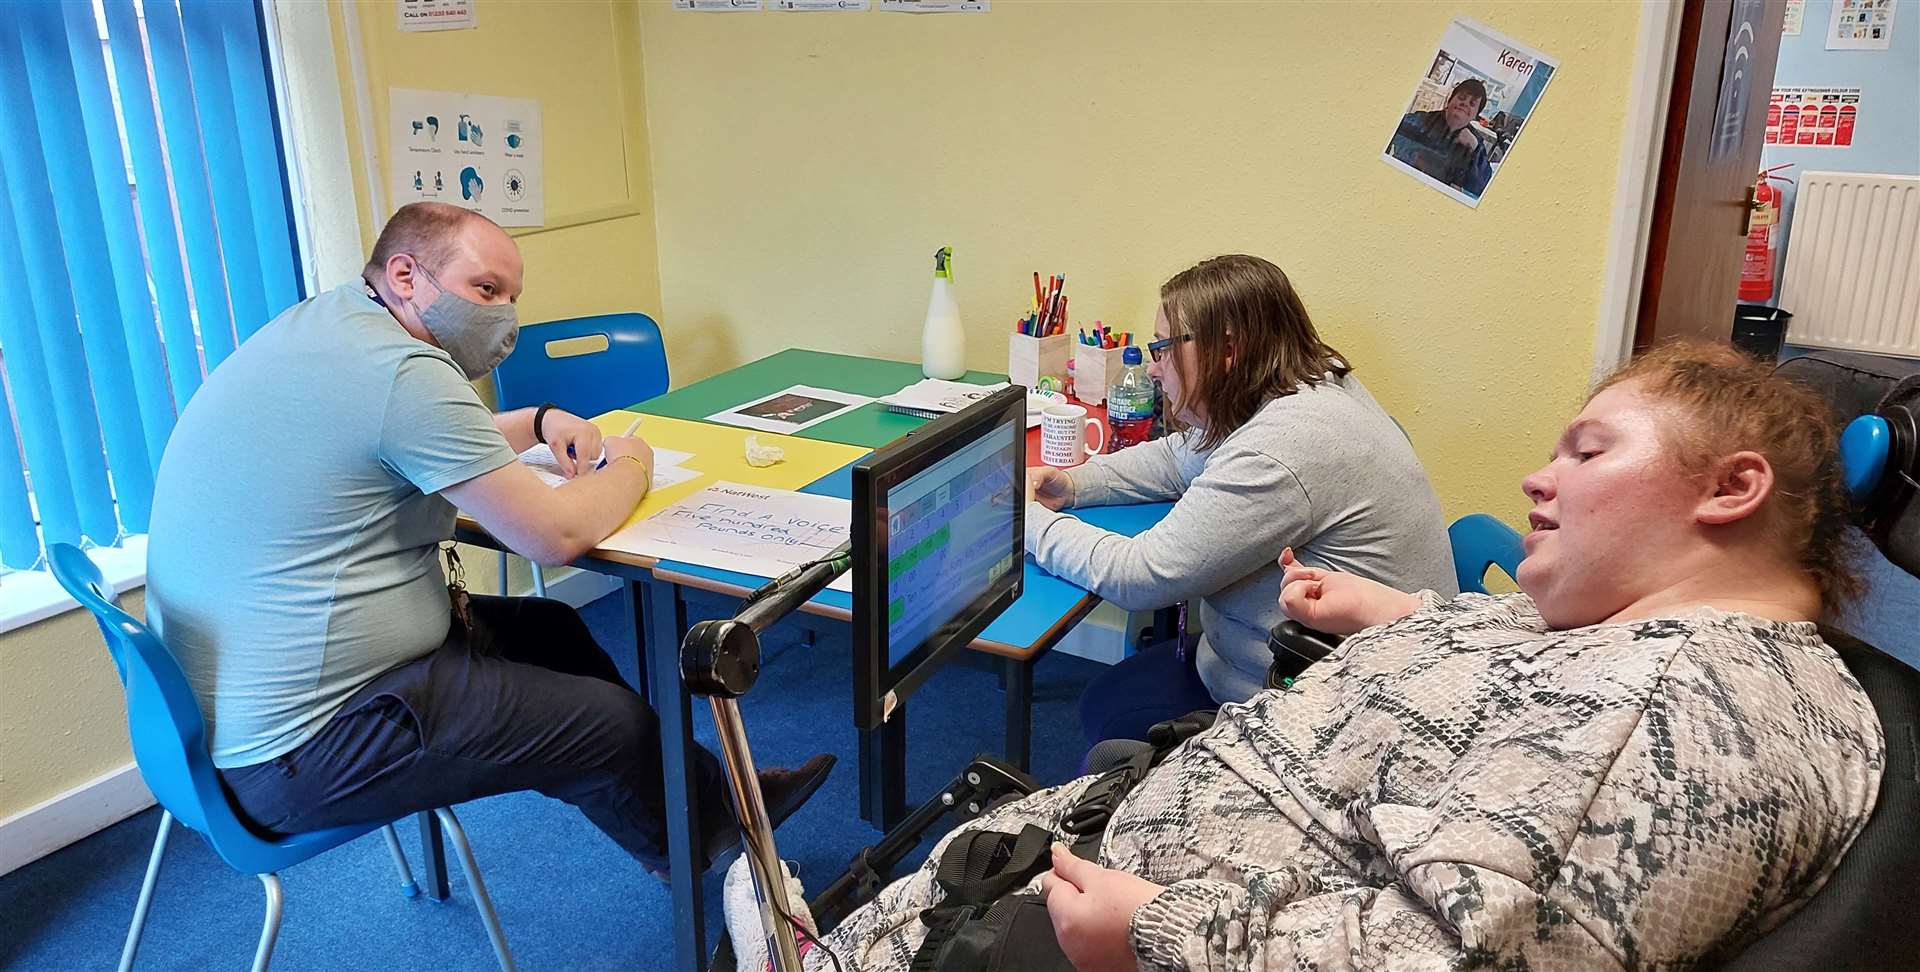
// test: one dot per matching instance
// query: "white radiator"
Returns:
(1853, 263)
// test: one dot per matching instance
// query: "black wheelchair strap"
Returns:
(1086, 823)
(981, 924)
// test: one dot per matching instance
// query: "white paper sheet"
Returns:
(750, 529)
(667, 469)
(1860, 25)
(791, 409)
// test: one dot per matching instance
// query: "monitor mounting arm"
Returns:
(721, 660)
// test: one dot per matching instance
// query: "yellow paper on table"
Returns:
(719, 453)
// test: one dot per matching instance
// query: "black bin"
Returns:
(1760, 330)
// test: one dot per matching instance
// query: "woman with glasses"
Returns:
(1277, 445)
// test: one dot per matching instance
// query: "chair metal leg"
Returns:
(407, 886)
(481, 900)
(146, 893)
(270, 932)
(539, 580)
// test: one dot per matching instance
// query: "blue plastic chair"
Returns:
(169, 738)
(1480, 543)
(548, 365)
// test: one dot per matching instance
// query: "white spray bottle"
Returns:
(943, 346)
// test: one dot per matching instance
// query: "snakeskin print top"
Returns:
(1465, 788)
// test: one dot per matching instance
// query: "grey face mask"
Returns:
(476, 336)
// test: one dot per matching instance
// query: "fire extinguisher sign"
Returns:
(1813, 117)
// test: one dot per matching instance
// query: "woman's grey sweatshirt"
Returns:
(1325, 471)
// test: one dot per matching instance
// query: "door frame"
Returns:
(1655, 56)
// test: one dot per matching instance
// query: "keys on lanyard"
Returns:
(457, 587)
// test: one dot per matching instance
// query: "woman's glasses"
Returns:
(1158, 349)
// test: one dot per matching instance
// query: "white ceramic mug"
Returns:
(1063, 435)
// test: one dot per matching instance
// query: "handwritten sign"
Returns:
(742, 528)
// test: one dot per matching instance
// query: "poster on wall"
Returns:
(435, 14)
(842, 6)
(1796, 16)
(1813, 117)
(1468, 110)
(718, 6)
(1860, 25)
(475, 151)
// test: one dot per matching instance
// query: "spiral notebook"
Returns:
(934, 397)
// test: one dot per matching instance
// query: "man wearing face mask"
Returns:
(343, 676)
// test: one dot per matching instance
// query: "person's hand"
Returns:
(629, 445)
(1091, 908)
(1466, 139)
(1336, 602)
(565, 430)
(1050, 487)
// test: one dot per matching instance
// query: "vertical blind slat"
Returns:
(19, 540)
(259, 136)
(220, 138)
(182, 126)
(76, 428)
(27, 376)
(139, 337)
(160, 233)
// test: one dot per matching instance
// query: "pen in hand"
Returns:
(631, 429)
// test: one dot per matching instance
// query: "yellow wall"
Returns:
(62, 717)
(807, 166)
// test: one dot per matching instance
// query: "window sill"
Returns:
(28, 596)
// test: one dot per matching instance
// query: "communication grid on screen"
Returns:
(939, 544)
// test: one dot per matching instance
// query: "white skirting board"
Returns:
(92, 806)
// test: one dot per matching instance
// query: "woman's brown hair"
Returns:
(1736, 403)
(1251, 335)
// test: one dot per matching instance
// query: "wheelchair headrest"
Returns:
(1879, 446)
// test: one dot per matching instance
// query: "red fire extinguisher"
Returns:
(1756, 269)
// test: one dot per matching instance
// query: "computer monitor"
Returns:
(939, 521)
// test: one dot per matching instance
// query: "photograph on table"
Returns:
(791, 409)
(1468, 110)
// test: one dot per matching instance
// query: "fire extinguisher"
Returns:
(1756, 269)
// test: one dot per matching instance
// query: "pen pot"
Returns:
(1093, 369)
(1031, 358)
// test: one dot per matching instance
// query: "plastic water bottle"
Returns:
(943, 348)
(1130, 402)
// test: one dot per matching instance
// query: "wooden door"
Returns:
(1716, 124)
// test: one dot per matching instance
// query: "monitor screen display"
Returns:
(938, 545)
(947, 530)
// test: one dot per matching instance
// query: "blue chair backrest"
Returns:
(163, 719)
(1480, 542)
(631, 368)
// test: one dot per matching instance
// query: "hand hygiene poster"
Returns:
(1468, 110)
(475, 151)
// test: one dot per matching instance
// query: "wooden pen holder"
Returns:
(1030, 359)
(1093, 370)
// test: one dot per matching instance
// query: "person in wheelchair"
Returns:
(1647, 759)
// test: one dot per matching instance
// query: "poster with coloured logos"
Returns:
(1813, 117)
(479, 152)
(1860, 25)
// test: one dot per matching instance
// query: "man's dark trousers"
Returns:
(526, 701)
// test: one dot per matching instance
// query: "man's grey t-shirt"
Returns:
(296, 523)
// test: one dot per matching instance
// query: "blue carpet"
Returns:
(567, 896)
